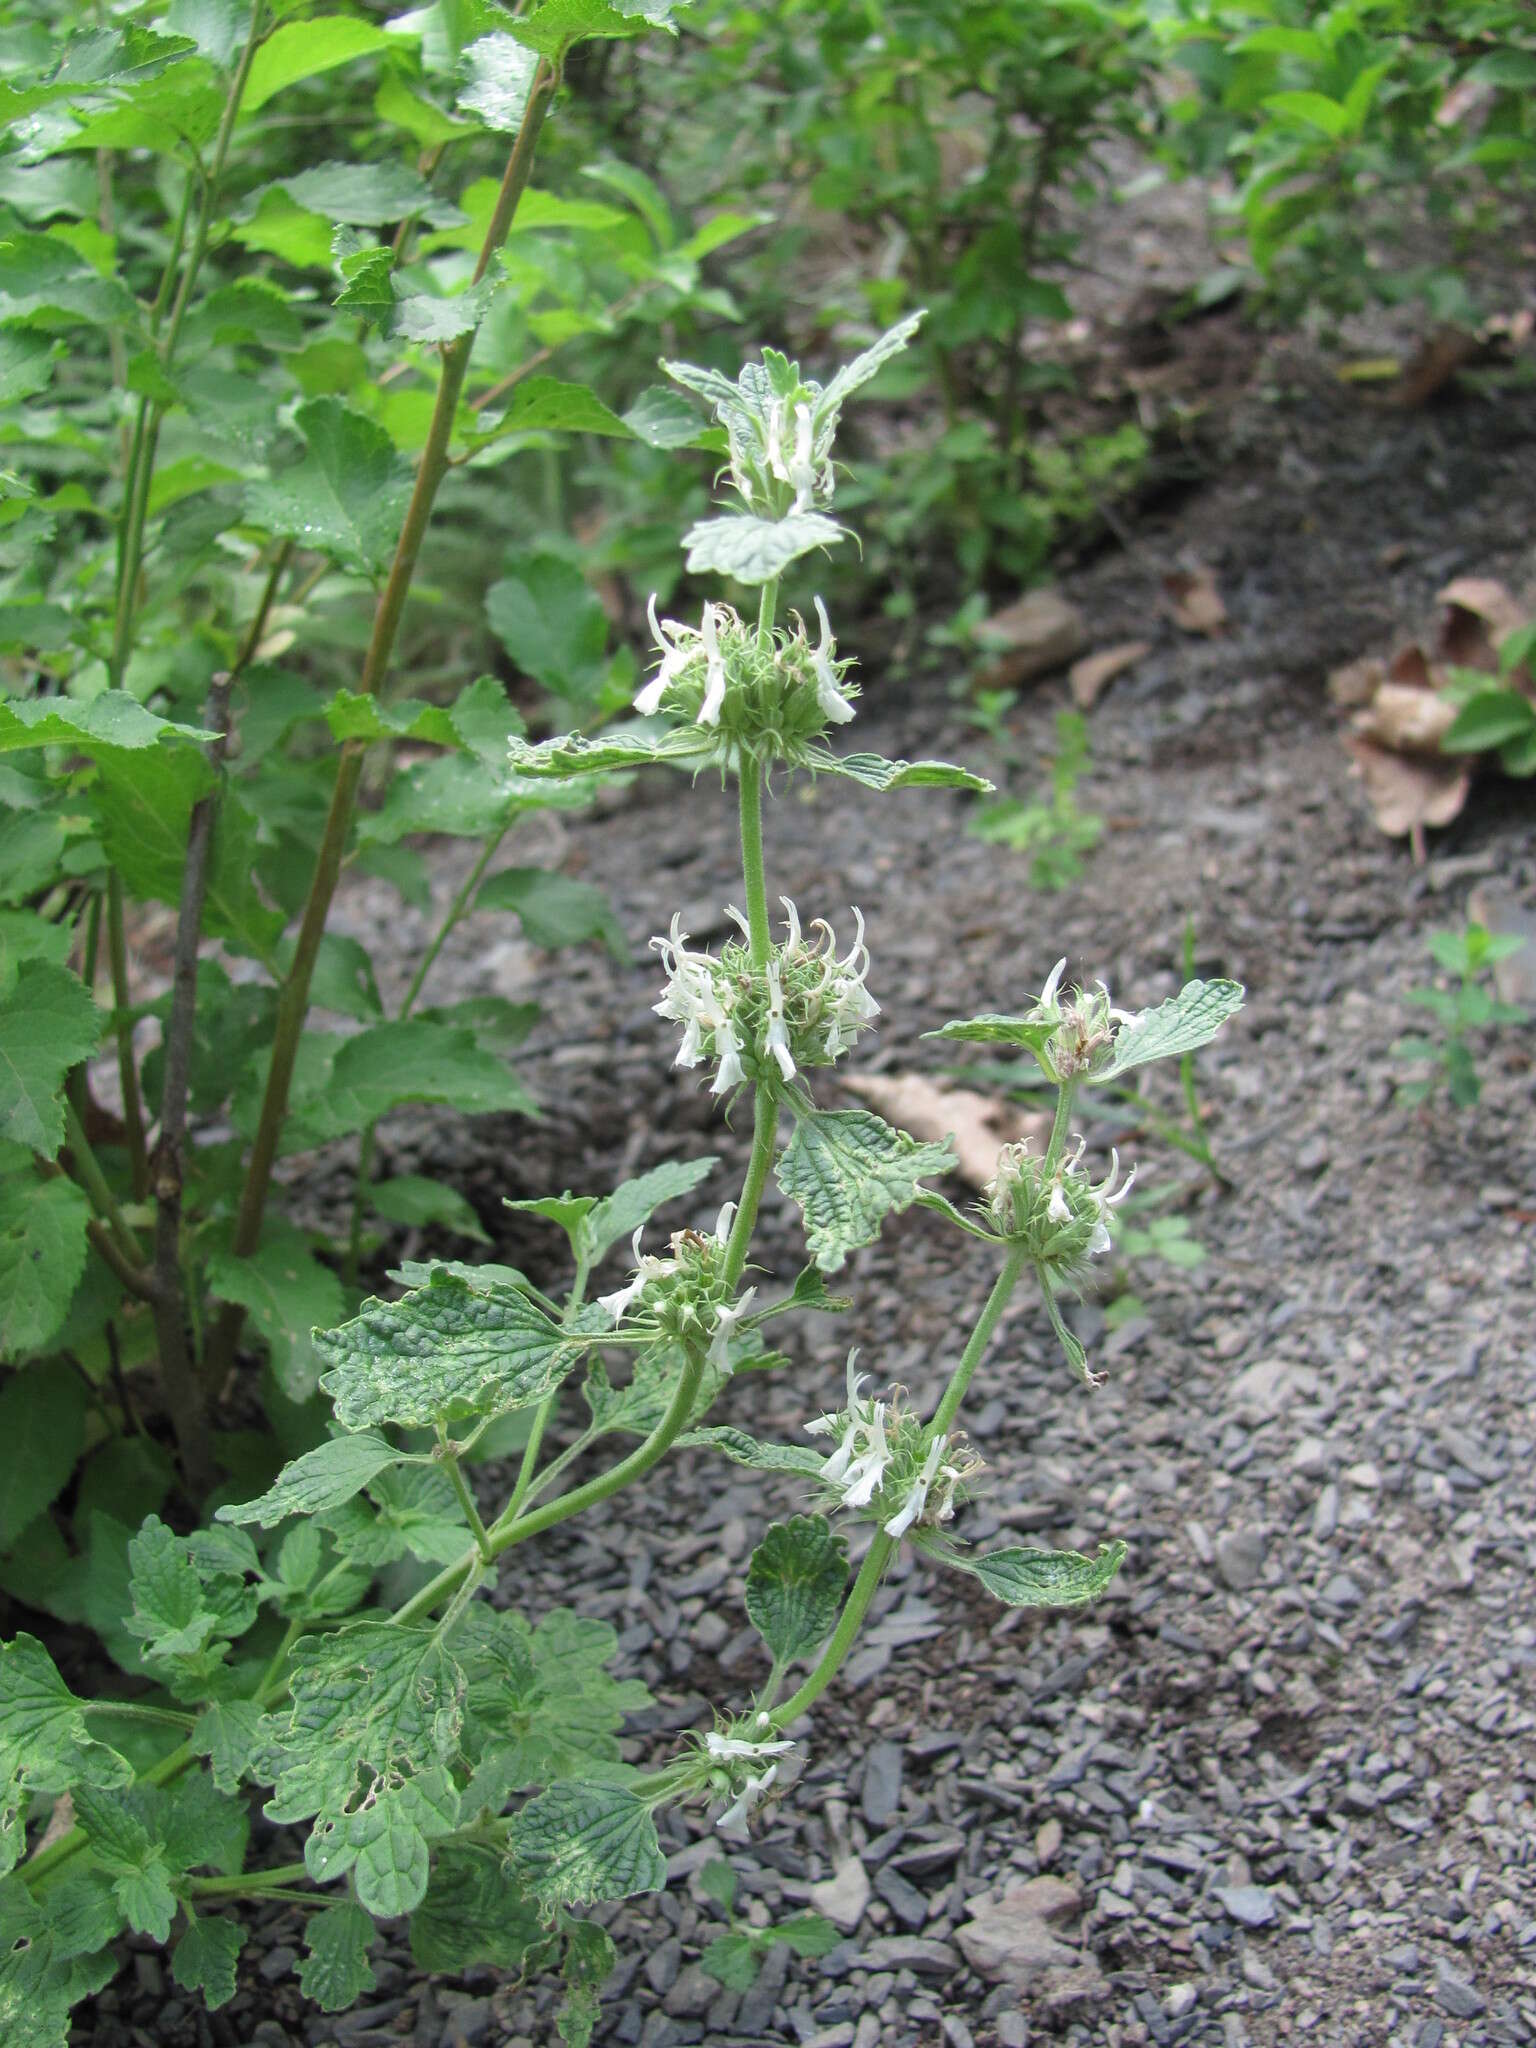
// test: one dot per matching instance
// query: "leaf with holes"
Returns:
(1185, 1022)
(444, 1352)
(847, 1169)
(795, 1585)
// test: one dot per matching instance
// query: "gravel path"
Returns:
(1280, 1783)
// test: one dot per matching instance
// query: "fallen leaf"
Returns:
(1433, 367)
(1479, 612)
(1194, 601)
(1357, 682)
(1404, 717)
(1040, 632)
(1091, 676)
(1410, 664)
(979, 1124)
(1406, 792)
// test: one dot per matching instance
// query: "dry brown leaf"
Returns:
(1194, 602)
(1479, 612)
(1406, 792)
(1040, 632)
(1410, 664)
(1092, 675)
(1433, 367)
(1402, 716)
(1357, 682)
(979, 1124)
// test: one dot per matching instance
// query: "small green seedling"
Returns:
(735, 1957)
(1051, 829)
(1467, 956)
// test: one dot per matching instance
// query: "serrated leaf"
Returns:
(756, 550)
(132, 1857)
(369, 1701)
(42, 1255)
(322, 1478)
(991, 1028)
(552, 625)
(83, 1916)
(190, 1598)
(617, 1217)
(570, 756)
(795, 1585)
(589, 1961)
(205, 1957)
(114, 719)
(661, 419)
(346, 498)
(353, 715)
(1043, 1578)
(44, 1741)
(303, 49)
(876, 773)
(44, 1410)
(807, 1934)
(577, 1843)
(555, 910)
(1186, 1021)
(500, 76)
(554, 27)
(432, 321)
(336, 1971)
(344, 1084)
(443, 1352)
(48, 1024)
(26, 936)
(368, 195)
(733, 1960)
(847, 1170)
(472, 1913)
(229, 1734)
(289, 1294)
(742, 1449)
(866, 365)
(548, 405)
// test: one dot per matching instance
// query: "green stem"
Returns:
(767, 604)
(531, 1449)
(981, 1336)
(765, 1125)
(249, 1883)
(1062, 1118)
(849, 1622)
(751, 780)
(130, 1710)
(463, 1494)
(293, 1004)
(122, 1025)
(90, 1176)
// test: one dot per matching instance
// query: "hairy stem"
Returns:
(752, 862)
(765, 1126)
(293, 1004)
(980, 1338)
(463, 1493)
(1059, 1123)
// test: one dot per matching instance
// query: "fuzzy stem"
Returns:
(250, 1883)
(463, 1493)
(980, 1337)
(1059, 1122)
(765, 1126)
(751, 781)
(849, 1622)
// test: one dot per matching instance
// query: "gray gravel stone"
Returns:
(1240, 1555)
(1453, 1994)
(881, 1793)
(1249, 1904)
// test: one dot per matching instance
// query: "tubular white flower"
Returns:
(726, 1319)
(861, 1480)
(752, 1795)
(835, 707)
(726, 1748)
(714, 679)
(776, 1045)
(667, 634)
(802, 464)
(850, 1006)
(775, 454)
(728, 1046)
(1045, 1007)
(1056, 1208)
(648, 1267)
(917, 1495)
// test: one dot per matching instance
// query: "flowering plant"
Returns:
(449, 1759)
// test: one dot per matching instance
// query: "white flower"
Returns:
(728, 1047)
(917, 1495)
(1044, 1011)
(751, 1795)
(727, 1748)
(835, 707)
(863, 1477)
(714, 679)
(647, 1268)
(801, 469)
(667, 634)
(776, 1045)
(775, 454)
(1056, 1208)
(726, 1320)
(849, 1004)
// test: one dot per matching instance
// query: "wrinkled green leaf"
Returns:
(348, 495)
(742, 1449)
(795, 1585)
(875, 773)
(578, 1843)
(48, 1024)
(288, 1294)
(847, 1170)
(205, 1957)
(322, 1478)
(336, 1972)
(1042, 1578)
(1186, 1021)
(756, 550)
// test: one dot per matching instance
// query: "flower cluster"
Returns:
(804, 1008)
(1082, 1026)
(1055, 1211)
(743, 1762)
(685, 1296)
(768, 697)
(886, 1462)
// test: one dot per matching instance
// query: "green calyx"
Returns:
(764, 699)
